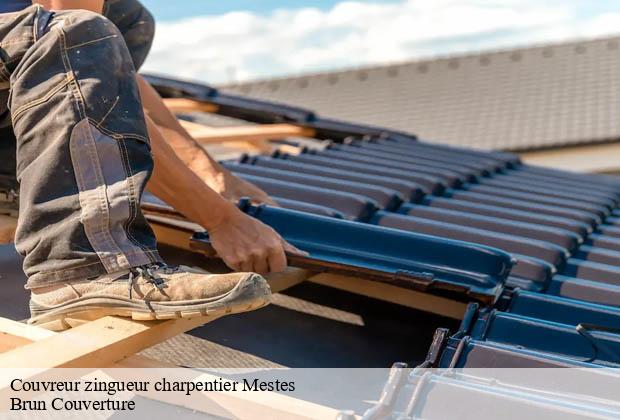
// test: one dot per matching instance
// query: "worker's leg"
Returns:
(83, 159)
(7, 162)
(7, 138)
(135, 23)
(83, 153)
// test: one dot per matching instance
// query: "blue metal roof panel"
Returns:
(563, 310)
(571, 225)
(547, 336)
(477, 270)
(561, 237)
(386, 198)
(585, 290)
(470, 171)
(598, 255)
(518, 204)
(589, 270)
(454, 176)
(433, 183)
(475, 168)
(492, 163)
(546, 251)
(562, 229)
(353, 206)
(410, 190)
(468, 353)
(308, 207)
(567, 203)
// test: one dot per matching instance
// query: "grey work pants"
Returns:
(69, 96)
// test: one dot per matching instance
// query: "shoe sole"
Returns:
(251, 293)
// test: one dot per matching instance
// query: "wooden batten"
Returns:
(602, 158)
(181, 105)
(97, 343)
(242, 405)
(8, 225)
(169, 234)
(249, 133)
(393, 294)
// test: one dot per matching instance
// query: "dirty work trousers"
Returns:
(70, 107)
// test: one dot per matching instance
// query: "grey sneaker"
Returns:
(157, 291)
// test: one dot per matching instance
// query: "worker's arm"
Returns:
(244, 243)
(92, 5)
(193, 154)
(186, 148)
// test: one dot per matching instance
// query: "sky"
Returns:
(240, 40)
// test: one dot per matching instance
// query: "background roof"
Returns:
(518, 99)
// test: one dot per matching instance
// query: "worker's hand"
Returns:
(246, 244)
(233, 188)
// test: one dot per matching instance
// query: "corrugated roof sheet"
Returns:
(527, 98)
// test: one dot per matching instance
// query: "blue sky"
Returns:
(167, 10)
(238, 40)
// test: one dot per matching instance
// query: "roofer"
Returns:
(85, 150)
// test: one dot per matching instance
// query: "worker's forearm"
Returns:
(92, 5)
(186, 148)
(175, 183)
(192, 154)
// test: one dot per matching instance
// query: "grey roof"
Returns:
(518, 99)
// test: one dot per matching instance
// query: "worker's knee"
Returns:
(140, 38)
(136, 24)
(84, 28)
(95, 54)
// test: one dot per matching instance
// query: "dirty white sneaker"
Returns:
(156, 291)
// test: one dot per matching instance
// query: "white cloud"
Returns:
(242, 45)
(603, 24)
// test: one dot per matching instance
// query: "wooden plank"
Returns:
(97, 343)
(249, 147)
(290, 149)
(25, 331)
(171, 235)
(249, 133)
(10, 342)
(385, 292)
(208, 137)
(267, 406)
(240, 405)
(602, 158)
(227, 151)
(287, 279)
(181, 105)
(233, 404)
(15, 334)
(8, 225)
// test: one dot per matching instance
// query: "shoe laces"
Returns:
(150, 273)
